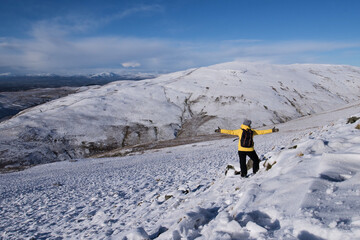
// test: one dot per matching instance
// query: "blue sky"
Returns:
(75, 37)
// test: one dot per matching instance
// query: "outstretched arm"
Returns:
(231, 132)
(260, 132)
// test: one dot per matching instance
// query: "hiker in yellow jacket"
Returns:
(246, 144)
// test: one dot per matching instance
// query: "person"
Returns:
(246, 144)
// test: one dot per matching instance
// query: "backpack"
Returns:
(247, 138)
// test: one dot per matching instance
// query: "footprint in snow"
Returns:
(334, 177)
(259, 218)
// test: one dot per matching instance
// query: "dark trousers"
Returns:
(253, 156)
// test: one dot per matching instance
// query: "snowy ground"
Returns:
(311, 192)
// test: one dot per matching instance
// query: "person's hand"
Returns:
(275, 129)
(217, 130)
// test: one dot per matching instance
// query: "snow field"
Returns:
(84, 199)
(311, 192)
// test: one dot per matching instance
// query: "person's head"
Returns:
(247, 122)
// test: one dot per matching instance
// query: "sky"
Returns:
(159, 36)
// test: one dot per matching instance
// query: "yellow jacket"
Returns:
(238, 132)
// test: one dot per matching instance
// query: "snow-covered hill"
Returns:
(180, 104)
(310, 192)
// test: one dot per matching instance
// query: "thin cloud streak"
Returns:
(77, 24)
(133, 11)
(290, 47)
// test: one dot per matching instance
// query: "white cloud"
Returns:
(131, 64)
(135, 10)
(289, 47)
(5, 74)
(60, 26)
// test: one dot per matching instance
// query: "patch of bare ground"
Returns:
(10, 169)
(141, 148)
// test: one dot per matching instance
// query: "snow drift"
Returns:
(180, 104)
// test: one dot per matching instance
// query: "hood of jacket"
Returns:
(245, 127)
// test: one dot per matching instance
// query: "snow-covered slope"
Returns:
(310, 192)
(179, 104)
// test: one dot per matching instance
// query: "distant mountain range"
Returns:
(20, 83)
(177, 105)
